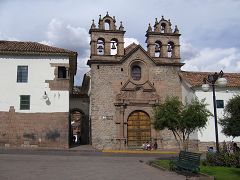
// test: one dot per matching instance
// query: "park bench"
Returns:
(186, 162)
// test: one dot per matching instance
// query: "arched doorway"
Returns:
(79, 128)
(139, 128)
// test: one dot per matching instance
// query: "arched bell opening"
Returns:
(170, 49)
(158, 49)
(114, 46)
(100, 46)
(163, 28)
(107, 24)
(139, 128)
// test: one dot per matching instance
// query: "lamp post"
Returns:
(213, 80)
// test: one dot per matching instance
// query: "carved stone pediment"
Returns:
(130, 86)
(138, 93)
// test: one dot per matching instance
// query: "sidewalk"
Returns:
(88, 150)
(130, 151)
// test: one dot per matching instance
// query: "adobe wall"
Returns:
(34, 129)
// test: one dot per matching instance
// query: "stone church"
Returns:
(126, 83)
(113, 109)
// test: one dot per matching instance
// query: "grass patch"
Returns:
(162, 163)
(220, 173)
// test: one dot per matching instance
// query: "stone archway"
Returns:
(139, 128)
(79, 127)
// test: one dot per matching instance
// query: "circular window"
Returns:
(136, 73)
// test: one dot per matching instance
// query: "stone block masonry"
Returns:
(34, 129)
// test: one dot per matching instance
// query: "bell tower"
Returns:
(162, 42)
(106, 40)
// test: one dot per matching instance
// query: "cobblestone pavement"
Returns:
(81, 167)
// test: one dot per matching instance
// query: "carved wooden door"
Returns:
(139, 128)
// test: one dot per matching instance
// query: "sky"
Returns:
(210, 29)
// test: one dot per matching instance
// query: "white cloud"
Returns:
(5, 37)
(67, 36)
(49, 43)
(128, 41)
(212, 59)
(187, 50)
(64, 35)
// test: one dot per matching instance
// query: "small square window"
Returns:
(24, 102)
(22, 74)
(220, 103)
(62, 72)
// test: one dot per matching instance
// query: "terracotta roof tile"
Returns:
(30, 47)
(195, 79)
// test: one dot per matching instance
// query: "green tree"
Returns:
(231, 120)
(181, 120)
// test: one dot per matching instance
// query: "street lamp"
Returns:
(213, 80)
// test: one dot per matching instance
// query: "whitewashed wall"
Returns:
(39, 70)
(187, 96)
(224, 94)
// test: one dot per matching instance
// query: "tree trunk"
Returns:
(185, 144)
(178, 140)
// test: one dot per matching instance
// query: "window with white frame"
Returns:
(24, 102)
(22, 74)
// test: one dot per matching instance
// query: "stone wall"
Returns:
(34, 129)
(203, 146)
(109, 122)
(81, 103)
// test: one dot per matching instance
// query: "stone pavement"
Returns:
(88, 150)
(70, 166)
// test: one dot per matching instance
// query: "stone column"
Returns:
(93, 47)
(118, 121)
(120, 49)
(107, 48)
(176, 51)
(164, 52)
(122, 122)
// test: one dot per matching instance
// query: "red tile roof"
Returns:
(17, 47)
(195, 79)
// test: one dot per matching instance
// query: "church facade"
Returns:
(126, 83)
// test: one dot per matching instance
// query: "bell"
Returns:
(169, 48)
(113, 46)
(162, 29)
(157, 49)
(100, 48)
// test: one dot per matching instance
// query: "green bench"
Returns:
(186, 162)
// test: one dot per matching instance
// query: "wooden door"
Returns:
(139, 128)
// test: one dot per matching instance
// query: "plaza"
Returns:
(84, 165)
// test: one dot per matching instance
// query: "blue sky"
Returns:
(210, 29)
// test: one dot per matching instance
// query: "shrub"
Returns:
(223, 158)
